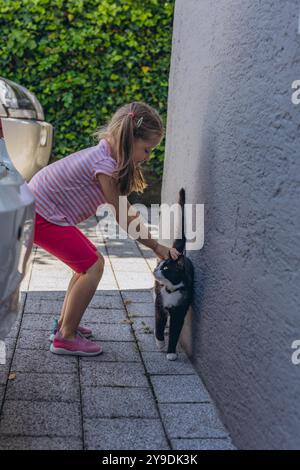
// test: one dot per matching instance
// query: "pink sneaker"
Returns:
(81, 329)
(84, 331)
(79, 346)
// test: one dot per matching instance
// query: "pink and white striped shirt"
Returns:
(67, 191)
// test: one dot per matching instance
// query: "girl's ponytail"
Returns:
(136, 120)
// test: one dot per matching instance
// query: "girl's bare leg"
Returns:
(80, 295)
(71, 284)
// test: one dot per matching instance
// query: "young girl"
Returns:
(69, 191)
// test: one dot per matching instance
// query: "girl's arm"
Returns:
(111, 192)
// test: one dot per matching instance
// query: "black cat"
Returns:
(173, 292)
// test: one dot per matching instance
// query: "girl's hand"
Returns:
(163, 252)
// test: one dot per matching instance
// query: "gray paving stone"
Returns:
(147, 253)
(24, 418)
(103, 315)
(113, 332)
(113, 374)
(37, 296)
(39, 282)
(179, 389)
(28, 360)
(146, 343)
(137, 296)
(192, 421)
(143, 325)
(119, 243)
(135, 265)
(144, 328)
(33, 339)
(49, 275)
(115, 402)
(47, 387)
(113, 293)
(152, 263)
(44, 306)
(43, 259)
(124, 434)
(117, 351)
(107, 284)
(40, 443)
(133, 280)
(141, 309)
(45, 303)
(37, 321)
(105, 299)
(108, 275)
(129, 251)
(157, 363)
(51, 265)
(91, 316)
(202, 444)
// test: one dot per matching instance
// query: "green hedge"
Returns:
(85, 58)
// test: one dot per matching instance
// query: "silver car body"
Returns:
(17, 212)
(24, 149)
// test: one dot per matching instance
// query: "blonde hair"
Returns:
(123, 129)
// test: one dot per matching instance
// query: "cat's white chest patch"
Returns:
(170, 299)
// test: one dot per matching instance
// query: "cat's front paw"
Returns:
(160, 344)
(172, 356)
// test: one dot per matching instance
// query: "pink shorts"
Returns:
(66, 243)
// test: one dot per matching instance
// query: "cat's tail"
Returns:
(179, 243)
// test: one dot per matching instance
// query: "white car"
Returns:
(25, 148)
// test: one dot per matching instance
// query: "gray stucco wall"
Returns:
(233, 143)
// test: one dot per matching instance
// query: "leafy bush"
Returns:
(85, 58)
